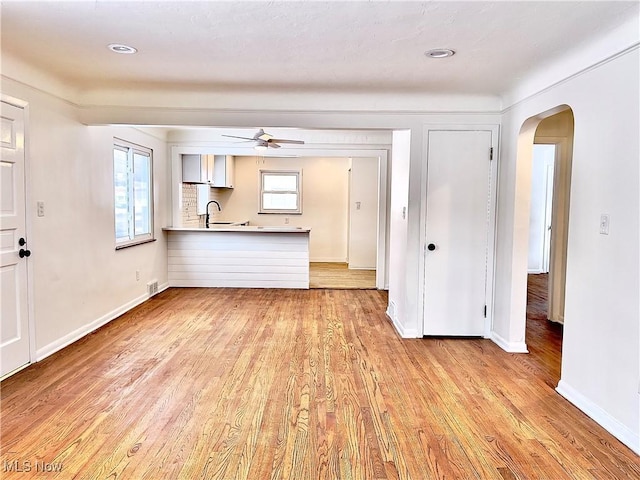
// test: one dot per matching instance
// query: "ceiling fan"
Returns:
(265, 140)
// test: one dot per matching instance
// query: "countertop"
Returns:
(240, 229)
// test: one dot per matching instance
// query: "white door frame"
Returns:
(491, 240)
(562, 146)
(16, 102)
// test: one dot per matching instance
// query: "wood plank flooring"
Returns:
(543, 338)
(338, 275)
(292, 384)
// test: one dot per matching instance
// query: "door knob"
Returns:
(24, 253)
(431, 247)
(22, 242)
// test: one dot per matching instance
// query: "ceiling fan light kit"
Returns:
(265, 140)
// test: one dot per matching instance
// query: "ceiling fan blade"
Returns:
(272, 145)
(261, 135)
(234, 136)
(283, 140)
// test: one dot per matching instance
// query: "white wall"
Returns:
(600, 359)
(363, 213)
(400, 164)
(324, 200)
(79, 280)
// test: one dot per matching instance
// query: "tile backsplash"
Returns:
(190, 217)
(189, 206)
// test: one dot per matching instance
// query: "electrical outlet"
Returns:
(358, 205)
(137, 275)
(286, 220)
(40, 209)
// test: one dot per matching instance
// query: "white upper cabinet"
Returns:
(216, 170)
(223, 171)
(197, 168)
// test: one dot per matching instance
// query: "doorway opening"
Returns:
(359, 269)
(324, 185)
(548, 237)
(543, 165)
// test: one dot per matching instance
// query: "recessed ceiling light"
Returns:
(439, 53)
(120, 48)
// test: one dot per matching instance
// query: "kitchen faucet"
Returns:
(207, 218)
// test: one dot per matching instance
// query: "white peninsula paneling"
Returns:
(209, 258)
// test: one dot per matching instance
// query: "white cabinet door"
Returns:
(14, 322)
(197, 168)
(217, 170)
(457, 223)
(223, 171)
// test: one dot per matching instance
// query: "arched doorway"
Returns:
(546, 143)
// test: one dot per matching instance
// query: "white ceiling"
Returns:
(341, 46)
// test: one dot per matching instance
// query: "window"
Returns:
(281, 191)
(133, 193)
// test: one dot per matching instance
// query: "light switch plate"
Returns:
(604, 224)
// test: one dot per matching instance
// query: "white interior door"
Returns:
(14, 333)
(540, 208)
(457, 227)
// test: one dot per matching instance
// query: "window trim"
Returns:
(298, 174)
(131, 149)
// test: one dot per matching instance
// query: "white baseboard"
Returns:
(13, 372)
(623, 433)
(361, 268)
(511, 347)
(403, 332)
(327, 260)
(163, 287)
(77, 334)
(391, 316)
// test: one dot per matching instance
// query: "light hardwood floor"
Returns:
(298, 384)
(338, 275)
(544, 338)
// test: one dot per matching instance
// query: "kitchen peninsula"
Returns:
(238, 256)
